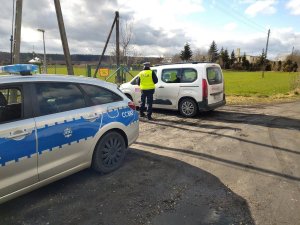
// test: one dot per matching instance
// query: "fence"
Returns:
(126, 74)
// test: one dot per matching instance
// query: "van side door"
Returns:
(167, 89)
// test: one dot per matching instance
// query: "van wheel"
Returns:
(129, 96)
(109, 153)
(188, 107)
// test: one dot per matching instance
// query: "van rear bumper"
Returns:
(203, 106)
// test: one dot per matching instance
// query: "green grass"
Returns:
(78, 70)
(252, 84)
(82, 70)
(237, 84)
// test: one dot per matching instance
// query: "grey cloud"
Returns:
(93, 19)
(146, 35)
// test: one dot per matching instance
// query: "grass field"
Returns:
(251, 88)
(252, 84)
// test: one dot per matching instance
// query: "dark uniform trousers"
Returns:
(147, 95)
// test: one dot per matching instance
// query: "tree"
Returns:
(213, 52)
(295, 67)
(279, 65)
(288, 66)
(199, 55)
(186, 53)
(126, 36)
(295, 57)
(221, 56)
(261, 60)
(245, 62)
(226, 60)
(232, 58)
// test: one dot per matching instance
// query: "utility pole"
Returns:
(12, 34)
(265, 57)
(17, 36)
(63, 37)
(115, 22)
(118, 47)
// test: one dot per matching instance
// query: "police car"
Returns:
(52, 126)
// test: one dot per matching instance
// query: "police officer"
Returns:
(147, 80)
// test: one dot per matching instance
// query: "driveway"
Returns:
(237, 165)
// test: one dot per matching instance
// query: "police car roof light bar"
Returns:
(23, 69)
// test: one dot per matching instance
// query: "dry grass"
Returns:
(250, 100)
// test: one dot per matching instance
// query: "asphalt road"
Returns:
(237, 165)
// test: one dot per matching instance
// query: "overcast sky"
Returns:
(160, 27)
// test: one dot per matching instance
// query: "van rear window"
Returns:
(214, 75)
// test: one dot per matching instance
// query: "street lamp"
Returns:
(45, 64)
(12, 34)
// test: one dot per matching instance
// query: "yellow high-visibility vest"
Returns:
(146, 82)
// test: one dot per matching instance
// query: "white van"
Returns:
(189, 88)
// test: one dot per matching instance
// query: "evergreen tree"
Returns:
(295, 67)
(213, 52)
(186, 53)
(222, 62)
(226, 60)
(245, 62)
(232, 58)
(287, 66)
(279, 65)
(261, 58)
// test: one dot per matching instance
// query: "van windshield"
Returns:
(214, 75)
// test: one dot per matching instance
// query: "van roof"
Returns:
(190, 64)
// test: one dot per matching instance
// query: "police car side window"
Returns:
(99, 95)
(10, 104)
(58, 97)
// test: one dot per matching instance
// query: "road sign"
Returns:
(103, 72)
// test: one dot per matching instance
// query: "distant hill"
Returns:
(76, 58)
(51, 58)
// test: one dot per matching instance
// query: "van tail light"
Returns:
(131, 105)
(204, 88)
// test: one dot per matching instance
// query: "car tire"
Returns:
(188, 107)
(109, 153)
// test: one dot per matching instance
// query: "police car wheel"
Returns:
(188, 107)
(109, 153)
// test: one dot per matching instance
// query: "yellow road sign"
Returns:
(103, 72)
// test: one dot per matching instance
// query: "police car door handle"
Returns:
(161, 87)
(91, 117)
(18, 134)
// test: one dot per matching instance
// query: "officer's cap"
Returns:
(146, 64)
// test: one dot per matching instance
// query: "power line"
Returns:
(240, 18)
